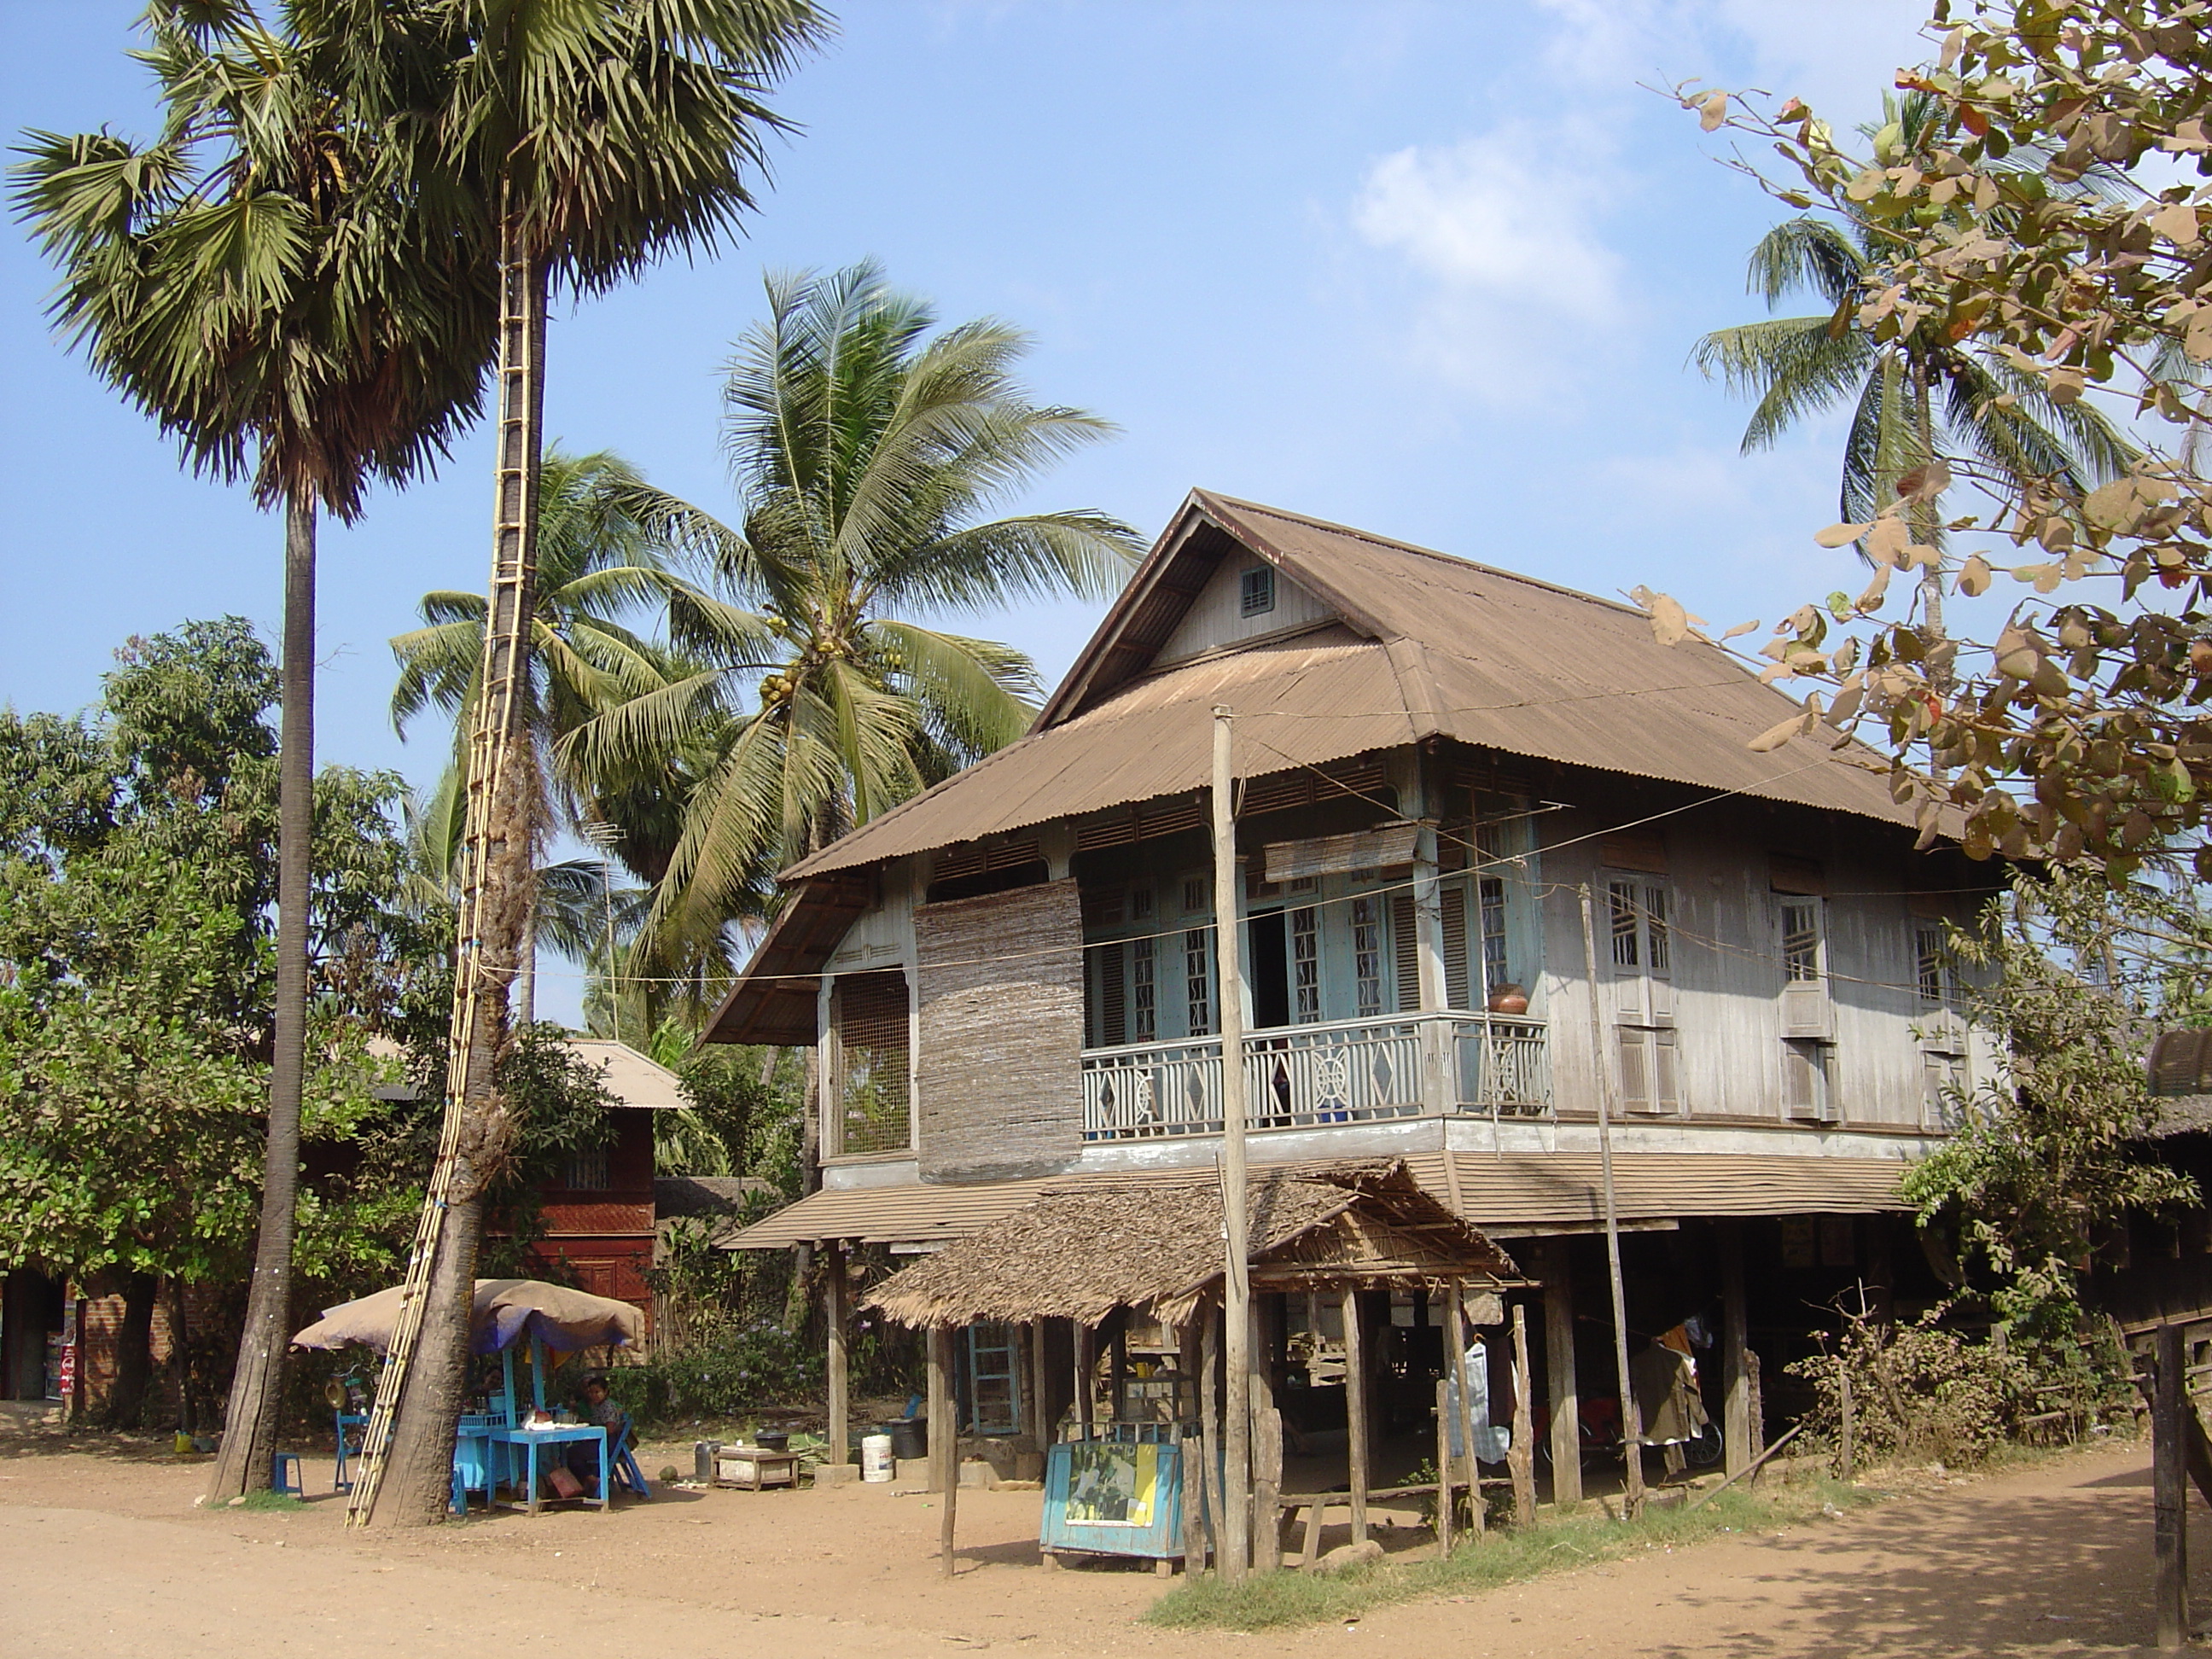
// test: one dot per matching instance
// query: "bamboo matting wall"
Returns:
(1001, 1060)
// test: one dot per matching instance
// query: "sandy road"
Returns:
(105, 1554)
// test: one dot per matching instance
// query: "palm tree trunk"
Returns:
(257, 1384)
(427, 1375)
(1927, 516)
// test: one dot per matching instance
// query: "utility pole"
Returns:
(1631, 1420)
(1235, 1545)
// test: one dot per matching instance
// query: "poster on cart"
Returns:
(1113, 1498)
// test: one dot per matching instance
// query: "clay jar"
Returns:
(1509, 999)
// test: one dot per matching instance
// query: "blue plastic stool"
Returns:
(284, 1475)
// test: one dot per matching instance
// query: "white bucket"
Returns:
(876, 1464)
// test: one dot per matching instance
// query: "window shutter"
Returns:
(1454, 917)
(1659, 955)
(1627, 947)
(1805, 1012)
(1666, 1086)
(1635, 1069)
(1805, 1083)
(1405, 951)
(1114, 995)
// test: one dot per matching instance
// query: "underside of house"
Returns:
(1509, 867)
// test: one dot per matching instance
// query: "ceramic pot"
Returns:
(1509, 999)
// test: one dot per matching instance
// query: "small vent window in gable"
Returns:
(1255, 591)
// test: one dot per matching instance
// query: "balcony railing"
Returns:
(1304, 1076)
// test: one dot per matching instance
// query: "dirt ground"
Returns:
(102, 1552)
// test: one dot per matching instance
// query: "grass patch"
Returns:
(1505, 1556)
(279, 1502)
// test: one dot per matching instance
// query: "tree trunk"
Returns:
(419, 1476)
(134, 1351)
(256, 1383)
(1927, 516)
(495, 910)
(180, 1357)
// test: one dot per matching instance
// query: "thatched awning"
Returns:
(1080, 1252)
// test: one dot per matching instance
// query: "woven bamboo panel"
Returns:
(1001, 1038)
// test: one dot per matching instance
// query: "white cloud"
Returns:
(1506, 230)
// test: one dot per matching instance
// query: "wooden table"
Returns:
(753, 1468)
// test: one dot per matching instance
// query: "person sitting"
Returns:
(601, 1408)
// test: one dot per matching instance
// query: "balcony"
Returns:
(1300, 1077)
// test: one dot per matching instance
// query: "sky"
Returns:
(1433, 270)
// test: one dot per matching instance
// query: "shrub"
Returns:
(736, 1369)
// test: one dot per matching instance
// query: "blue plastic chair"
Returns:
(284, 1477)
(625, 1470)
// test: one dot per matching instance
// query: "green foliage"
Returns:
(137, 977)
(740, 1369)
(2070, 974)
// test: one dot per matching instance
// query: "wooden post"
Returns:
(1355, 1411)
(944, 1441)
(1739, 1434)
(1266, 1457)
(1559, 1373)
(1844, 1464)
(837, 1315)
(1117, 1374)
(1522, 1456)
(1478, 1522)
(1040, 1388)
(2170, 1490)
(1444, 1482)
(1209, 1418)
(1086, 1362)
(1235, 1542)
(1631, 1418)
(1190, 1363)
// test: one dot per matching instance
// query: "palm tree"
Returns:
(602, 536)
(586, 140)
(1914, 400)
(258, 280)
(865, 456)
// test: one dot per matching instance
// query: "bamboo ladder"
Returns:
(506, 661)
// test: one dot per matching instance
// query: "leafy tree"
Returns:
(2073, 976)
(258, 280)
(577, 144)
(2079, 731)
(137, 979)
(1916, 398)
(867, 456)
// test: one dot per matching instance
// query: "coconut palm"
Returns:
(258, 280)
(1914, 400)
(579, 143)
(603, 533)
(866, 455)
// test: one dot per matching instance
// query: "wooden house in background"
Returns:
(1457, 785)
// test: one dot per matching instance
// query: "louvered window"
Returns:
(1110, 994)
(1639, 919)
(873, 1065)
(1144, 993)
(1496, 971)
(1305, 966)
(1455, 933)
(1805, 1009)
(1405, 952)
(1367, 955)
(1198, 979)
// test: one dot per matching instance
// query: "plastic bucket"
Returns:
(910, 1437)
(876, 1458)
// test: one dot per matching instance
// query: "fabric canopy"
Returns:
(506, 1311)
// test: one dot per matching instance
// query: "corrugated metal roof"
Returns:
(1431, 645)
(1517, 1189)
(631, 1077)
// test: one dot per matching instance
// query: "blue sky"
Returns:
(1429, 268)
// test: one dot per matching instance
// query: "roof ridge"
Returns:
(1393, 543)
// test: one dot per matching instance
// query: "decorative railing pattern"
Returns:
(1303, 1076)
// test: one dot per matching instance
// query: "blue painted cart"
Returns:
(1113, 1498)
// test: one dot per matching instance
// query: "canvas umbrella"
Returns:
(505, 1312)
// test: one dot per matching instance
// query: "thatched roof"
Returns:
(1079, 1252)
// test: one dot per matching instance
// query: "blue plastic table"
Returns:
(532, 1439)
